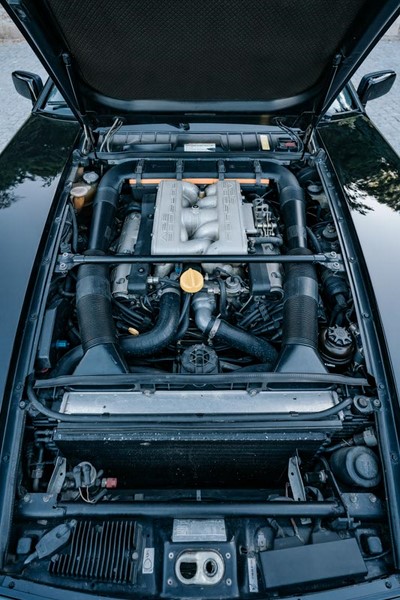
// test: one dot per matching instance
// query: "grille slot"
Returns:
(99, 551)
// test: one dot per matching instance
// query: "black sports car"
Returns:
(199, 331)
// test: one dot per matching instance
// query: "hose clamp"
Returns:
(169, 289)
(214, 329)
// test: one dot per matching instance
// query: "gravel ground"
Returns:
(17, 55)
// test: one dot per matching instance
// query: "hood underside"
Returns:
(254, 57)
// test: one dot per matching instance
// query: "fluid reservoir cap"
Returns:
(339, 336)
(80, 191)
(90, 177)
(191, 281)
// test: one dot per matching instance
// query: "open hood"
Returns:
(210, 60)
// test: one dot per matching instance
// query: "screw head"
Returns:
(228, 582)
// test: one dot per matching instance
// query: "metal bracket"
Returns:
(221, 170)
(179, 169)
(258, 171)
(65, 262)
(139, 172)
(296, 484)
(57, 478)
(334, 262)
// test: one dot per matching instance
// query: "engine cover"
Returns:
(187, 221)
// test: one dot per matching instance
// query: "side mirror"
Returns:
(375, 85)
(27, 84)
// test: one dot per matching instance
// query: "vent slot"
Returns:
(99, 551)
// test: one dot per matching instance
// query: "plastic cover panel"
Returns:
(209, 50)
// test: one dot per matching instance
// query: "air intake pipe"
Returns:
(300, 313)
(102, 354)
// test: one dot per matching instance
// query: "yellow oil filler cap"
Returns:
(191, 281)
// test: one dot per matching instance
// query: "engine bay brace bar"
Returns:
(67, 261)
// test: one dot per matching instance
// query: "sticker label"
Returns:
(252, 571)
(199, 530)
(199, 147)
(148, 561)
(264, 139)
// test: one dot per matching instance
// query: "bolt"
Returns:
(46, 498)
(335, 265)
(22, 404)
(252, 392)
(352, 259)
(63, 267)
(27, 498)
(65, 254)
(372, 498)
(18, 386)
(362, 402)
(228, 555)
(365, 315)
(376, 402)
(135, 556)
(353, 498)
(141, 270)
(388, 584)
(171, 555)
(228, 582)
(333, 254)
(381, 386)
(170, 582)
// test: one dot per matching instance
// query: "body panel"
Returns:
(30, 170)
(369, 172)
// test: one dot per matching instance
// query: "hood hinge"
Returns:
(82, 116)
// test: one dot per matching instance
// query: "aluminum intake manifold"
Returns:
(187, 221)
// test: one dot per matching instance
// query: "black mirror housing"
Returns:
(29, 85)
(374, 85)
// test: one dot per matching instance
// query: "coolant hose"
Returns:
(162, 334)
(246, 342)
(221, 331)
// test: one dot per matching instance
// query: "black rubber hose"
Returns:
(300, 308)
(184, 319)
(241, 340)
(314, 240)
(68, 363)
(162, 334)
(105, 205)
(93, 303)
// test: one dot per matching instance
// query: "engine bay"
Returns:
(201, 414)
